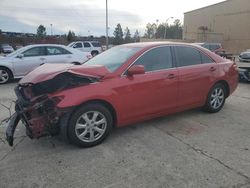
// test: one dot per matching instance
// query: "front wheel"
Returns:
(90, 125)
(216, 98)
(5, 75)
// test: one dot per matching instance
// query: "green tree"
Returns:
(127, 38)
(118, 35)
(71, 36)
(41, 31)
(136, 36)
(150, 30)
(171, 31)
(160, 31)
(177, 29)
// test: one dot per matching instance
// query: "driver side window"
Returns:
(156, 59)
(78, 45)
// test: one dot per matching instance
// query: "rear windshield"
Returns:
(96, 44)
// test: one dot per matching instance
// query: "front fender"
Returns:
(79, 95)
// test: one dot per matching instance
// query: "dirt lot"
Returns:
(189, 149)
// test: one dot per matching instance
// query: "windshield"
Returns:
(71, 44)
(16, 52)
(114, 58)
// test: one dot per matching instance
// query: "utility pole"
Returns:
(107, 27)
(51, 29)
(165, 33)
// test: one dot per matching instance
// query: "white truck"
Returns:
(93, 47)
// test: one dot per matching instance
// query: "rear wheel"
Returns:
(216, 98)
(90, 125)
(94, 53)
(5, 75)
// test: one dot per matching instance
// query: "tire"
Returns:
(94, 53)
(216, 98)
(5, 75)
(76, 63)
(89, 125)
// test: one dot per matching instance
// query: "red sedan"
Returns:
(124, 85)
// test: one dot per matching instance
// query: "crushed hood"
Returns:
(49, 71)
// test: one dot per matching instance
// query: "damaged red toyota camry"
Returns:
(126, 84)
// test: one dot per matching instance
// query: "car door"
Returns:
(87, 47)
(197, 73)
(29, 60)
(153, 92)
(78, 46)
(55, 54)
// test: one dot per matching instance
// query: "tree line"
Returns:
(153, 30)
(164, 30)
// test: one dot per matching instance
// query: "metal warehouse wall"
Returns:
(227, 22)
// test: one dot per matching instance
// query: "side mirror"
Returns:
(136, 69)
(20, 56)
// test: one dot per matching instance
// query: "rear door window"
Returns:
(156, 59)
(96, 44)
(86, 45)
(187, 56)
(205, 58)
(51, 50)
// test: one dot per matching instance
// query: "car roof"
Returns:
(85, 41)
(155, 44)
(37, 45)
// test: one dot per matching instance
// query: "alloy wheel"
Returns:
(4, 76)
(90, 126)
(217, 98)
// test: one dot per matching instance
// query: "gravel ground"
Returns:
(188, 149)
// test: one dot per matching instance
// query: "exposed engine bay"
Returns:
(37, 110)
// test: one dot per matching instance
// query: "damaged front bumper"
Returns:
(40, 116)
(36, 104)
(15, 118)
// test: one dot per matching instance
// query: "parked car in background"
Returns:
(94, 47)
(6, 48)
(245, 56)
(217, 48)
(121, 86)
(213, 47)
(244, 74)
(24, 60)
(16, 47)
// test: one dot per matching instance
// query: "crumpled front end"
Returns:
(36, 105)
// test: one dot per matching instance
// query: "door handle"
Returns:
(170, 76)
(42, 58)
(212, 69)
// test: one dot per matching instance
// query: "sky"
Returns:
(87, 17)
